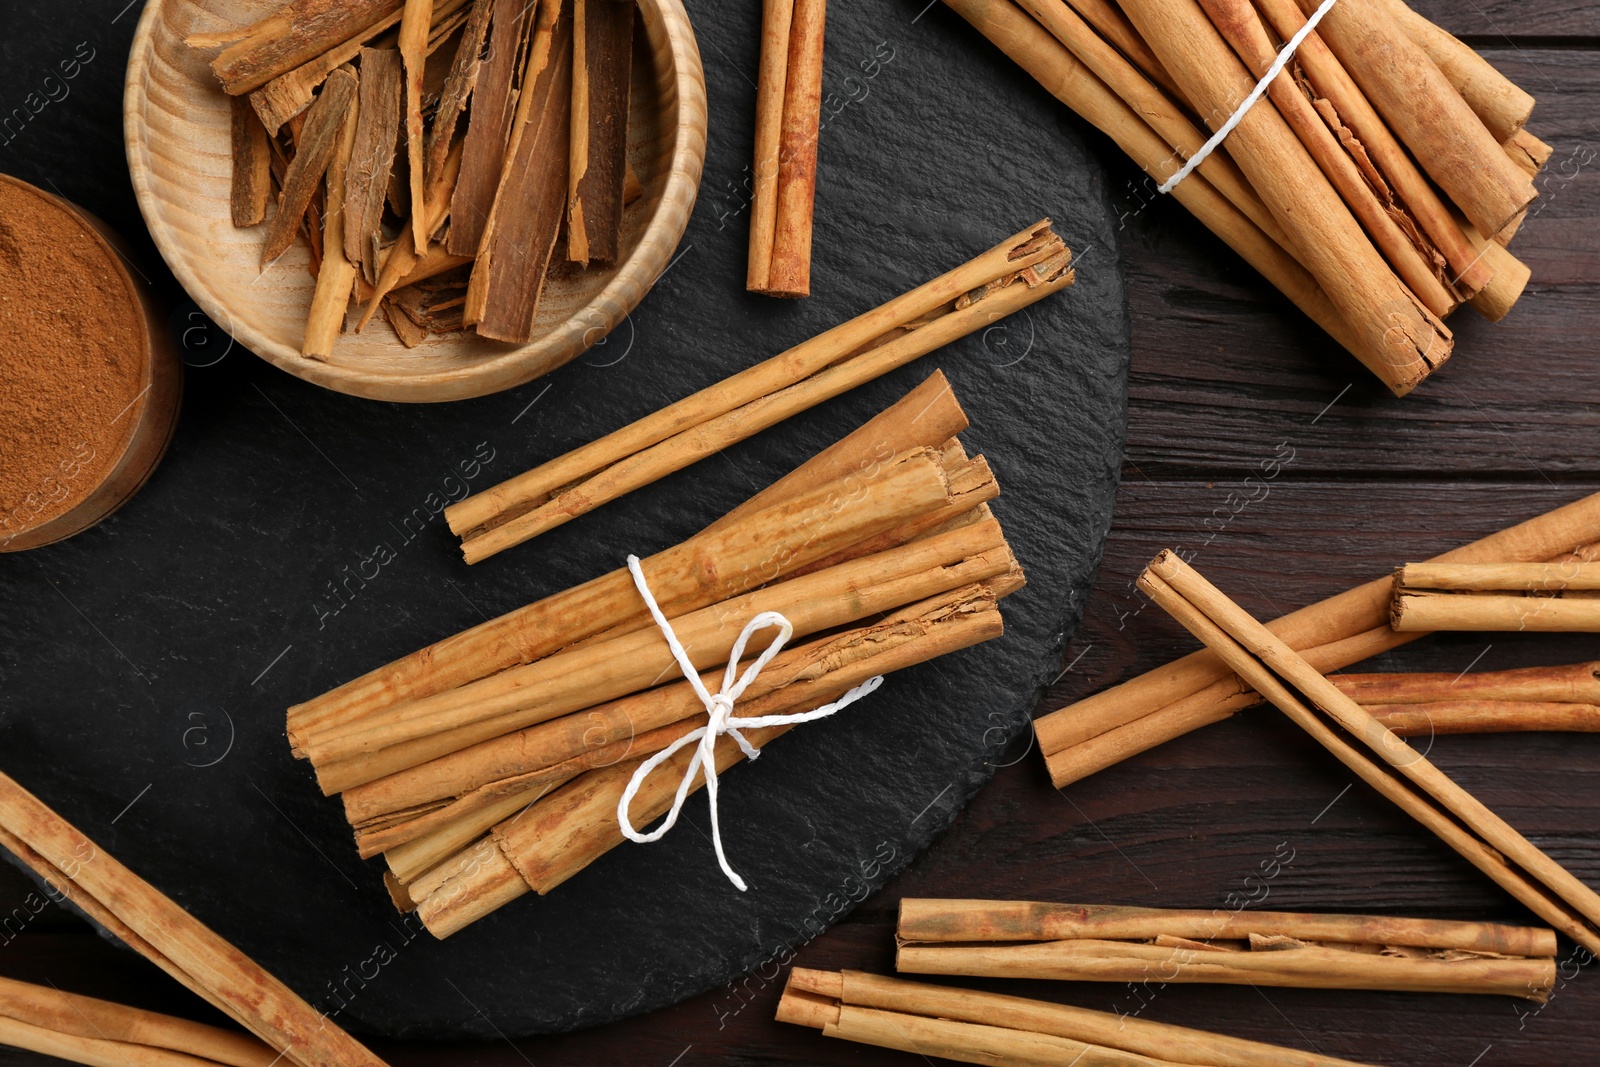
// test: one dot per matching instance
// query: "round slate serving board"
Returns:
(291, 541)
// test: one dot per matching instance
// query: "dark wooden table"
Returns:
(1226, 375)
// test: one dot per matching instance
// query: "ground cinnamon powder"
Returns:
(71, 359)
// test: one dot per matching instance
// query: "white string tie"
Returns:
(1284, 55)
(721, 720)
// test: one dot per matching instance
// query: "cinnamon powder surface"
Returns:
(71, 359)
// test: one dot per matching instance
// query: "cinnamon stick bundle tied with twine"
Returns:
(1534, 597)
(1564, 698)
(1336, 129)
(1021, 270)
(1094, 733)
(1376, 755)
(1096, 942)
(148, 922)
(989, 1028)
(506, 759)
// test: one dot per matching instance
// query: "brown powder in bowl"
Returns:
(72, 354)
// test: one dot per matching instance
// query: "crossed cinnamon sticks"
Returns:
(1375, 185)
(492, 763)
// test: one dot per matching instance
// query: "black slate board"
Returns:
(147, 663)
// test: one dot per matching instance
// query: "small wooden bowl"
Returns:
(152, 415)
(176, 125)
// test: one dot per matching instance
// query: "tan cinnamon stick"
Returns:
(601, 72)
(1113, 26)
(1433, 718)
(337, 276)
(1528, 152)
(1539, 597)
(414, 25)
(1427, 113)
(252, 165)
(372, 157)
(489, 125)
(1495, 99)
(1399, 771)
(1500, 577)
(1397, 338)
(1572, 683)
(151, 924)
(294, 34)
(1102, 1039)
(788, 117)
(1017, 273)
(1198, 688)
(313, 151)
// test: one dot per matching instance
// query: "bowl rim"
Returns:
(633, 278)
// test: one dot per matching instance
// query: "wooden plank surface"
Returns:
(1225, 378)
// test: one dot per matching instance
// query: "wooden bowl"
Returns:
(176, 125)
(149, 418)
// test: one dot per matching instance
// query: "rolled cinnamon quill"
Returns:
(1089, 942)
(991, 1028)
(1375, 754)
(1536, 597)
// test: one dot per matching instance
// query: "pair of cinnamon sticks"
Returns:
(1531, 597)
(148, 922)
(491, 764)
(1563, 698)
(1377, 182)
(1015, 273)
(322, 90)
(1198, 689)
(1105, 943)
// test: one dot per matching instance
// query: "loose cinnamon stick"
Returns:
(85, 1018)
(788, 118)
(1059, 71)
(1573, 683)
(601, 72)
(414, 26)
(1352, 626)
(1500, 577)
(372, 157)
(1400, 773)
(922, 418)
(294, 34)
(1427, 113)
(151, 924)
(252, 165)
(337, 276)
(1500, 104)
(1528, 152)
(489, 125)
(1024, 269)
(1397, 338)
(1099, 1039)
(1434, 718)
(314, 149)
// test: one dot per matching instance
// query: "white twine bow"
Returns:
(1284, 55)
(719, 708)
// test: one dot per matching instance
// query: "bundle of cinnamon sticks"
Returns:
(1376, 183)
(148, 921)
(991, 1028)
(1024, 268)
(491, 763)
(443, 158)
(1094, 733)
(1107, 943)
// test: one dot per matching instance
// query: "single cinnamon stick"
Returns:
(489, 125)
(294, 34)
(414, 26)
(1433, 718)
(1427, 113)
(314, 149)
(1059, 71)
(922, 418)
(1509, 274)
(252, 165)
(458, 88)
(1399, 772)
(1528, 152)
(520, 237)
(1572, 683)
(152, 925)
(1031, 265)
(1101, 1039)
(1398, 339)
(601, 73)
(1502, 106)
(1203, 679)
(780, 251)
(1500, 577)
(337, 277)
(372, 157)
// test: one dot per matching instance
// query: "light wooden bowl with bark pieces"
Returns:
(176, 125)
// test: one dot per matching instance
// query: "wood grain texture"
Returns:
(175, 121)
